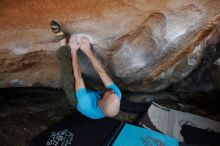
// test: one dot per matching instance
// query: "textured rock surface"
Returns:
(144, 45)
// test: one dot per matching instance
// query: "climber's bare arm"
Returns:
(79, 83)
(86, 48)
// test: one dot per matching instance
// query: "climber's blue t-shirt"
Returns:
(87, 101)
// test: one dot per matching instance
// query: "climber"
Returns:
(91, 103)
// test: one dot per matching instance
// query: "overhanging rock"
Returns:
(144, 45)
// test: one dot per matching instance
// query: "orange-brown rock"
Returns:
(145, 45)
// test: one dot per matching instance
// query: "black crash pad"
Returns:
(78, 130)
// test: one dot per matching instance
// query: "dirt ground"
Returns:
(25, 112)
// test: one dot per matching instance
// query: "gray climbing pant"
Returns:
(66, 69)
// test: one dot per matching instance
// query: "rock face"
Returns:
(144, 45)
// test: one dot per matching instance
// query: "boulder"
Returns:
(143, 45)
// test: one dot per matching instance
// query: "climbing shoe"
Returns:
(56, 28)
